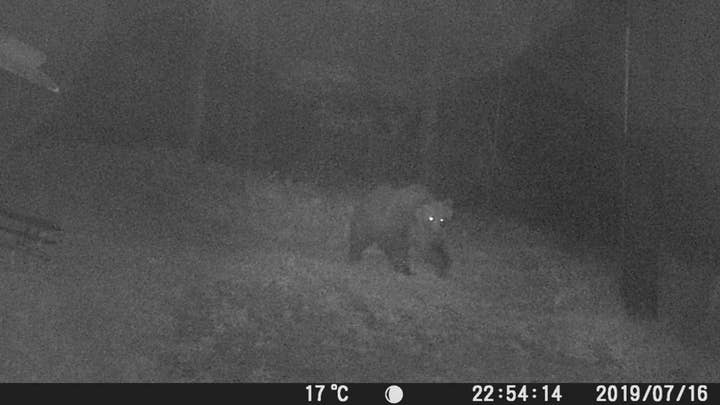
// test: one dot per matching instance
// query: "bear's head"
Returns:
(434, 216)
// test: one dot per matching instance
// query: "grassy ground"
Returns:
(172, 271)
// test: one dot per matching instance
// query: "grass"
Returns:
(176, 271)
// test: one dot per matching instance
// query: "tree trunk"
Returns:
(430, 95)
(492, 175)
(198, 110)
(637, 233)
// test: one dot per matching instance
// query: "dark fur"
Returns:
(398, 219)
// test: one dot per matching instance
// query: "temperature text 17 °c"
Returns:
(315, 392)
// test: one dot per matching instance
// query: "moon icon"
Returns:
(393, 394)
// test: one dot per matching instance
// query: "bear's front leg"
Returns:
(437, 256)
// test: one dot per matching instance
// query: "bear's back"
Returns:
(386, 207)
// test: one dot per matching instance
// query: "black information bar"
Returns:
(375, 393)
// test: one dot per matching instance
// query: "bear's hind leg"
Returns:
(397, 252)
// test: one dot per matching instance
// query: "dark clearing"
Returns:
(360, 191)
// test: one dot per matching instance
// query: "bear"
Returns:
(397, 219)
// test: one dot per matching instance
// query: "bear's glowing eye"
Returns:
(431, 219)
(442, 219)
